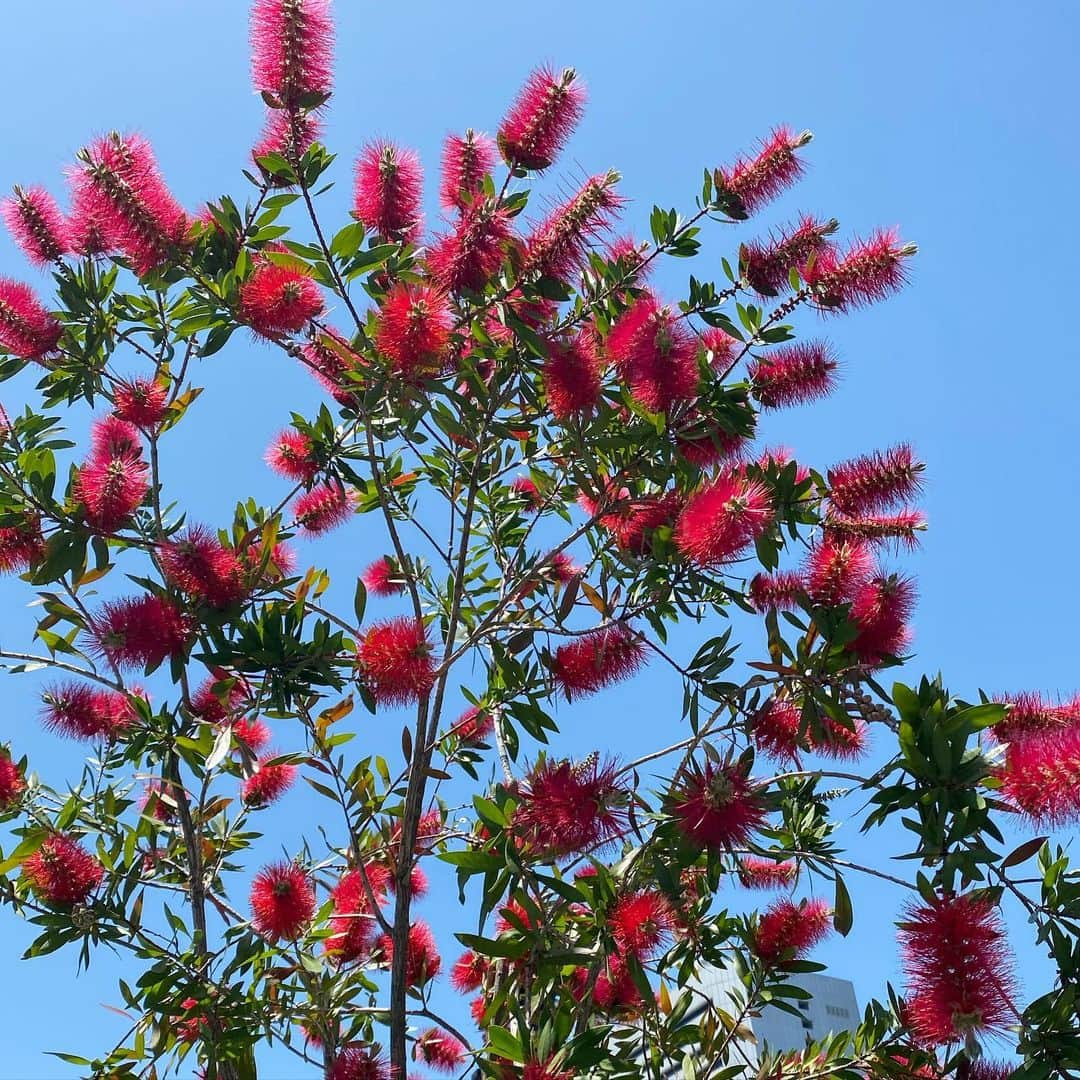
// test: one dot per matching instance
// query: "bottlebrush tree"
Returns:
(563, 465)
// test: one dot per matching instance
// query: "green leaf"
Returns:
(843, 916)
(360, 601)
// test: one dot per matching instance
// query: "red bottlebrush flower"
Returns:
(26, 329)
(396, 661)
(777, 592)
(960, 981)
(1031, 714)
(198, 564)
(77, 711)
(720, 347)
(268, 783)
(290, 455)
(869, 270)
(333, 363)
(788, 931)
(474, 725)
(139, 631)
(1041, 776)
(596, 660)
(990, 1070)
(775, 729)
(703, 442)
(758, 873)
(641, 923)
(633, 521)
(254, 734)
(37, 225)
(655, 355)
(111, 489)
(793, 375)
(21, 546)
(189, 1028)
(632, 257)
(292, 49)
(382, 579)
(562, 567)
(353, 922)
(613, 989)
(387, 194)
(112, 437)
(158, 801)
(468, 972)
(414, 330)
(471, 254)
(289, 135)
(566, 807)
(838, 741)
(119, 188)
(478, 1009)
(277, 300)
(767, 265)
(428, 830)
(545, 1070)
(12, 784)
(716, 806)
(560, 243)
(880, 528)
(466, 160)
(541, 119)
(572, 377)
(324, 507)
(440, 1050)
(422, 961)
(214, 705)
(880, 610)
(141, 402)
(837, 570)
(357, 1062)
(759, 179)
(871, 484)
(282, 901)
(526, 490)
(513, 919)
(721, 519)
(61, 872)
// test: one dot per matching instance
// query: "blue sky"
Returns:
(951, 120)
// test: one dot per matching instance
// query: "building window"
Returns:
(835, 1010)
(804, 1005)
(807, 1024)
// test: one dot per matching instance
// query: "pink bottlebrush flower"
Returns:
(139, 631)
(12, 784)
(1032, 714)
(466, 160)
(324, 507)
(381, 578)
(292, 49)
(721, 519)
(387, 193)
(111, 489)
(655, 355)
(277, 300)
(282, 902)
(110, 436)
(562, 568)
(775, 729)
(440, 1050)
(779, 591)
(428, 831)
(513, 917)
(77, 711)
(759, 179)
(287, 134)
(559, 245)
(880, 528)
(990, 1070)
(201, 566)
(869, 270)
(1041, 777)
(189, 1028)
(632, 256)
(358, 1062)
(837, 569)
(269, 781)
(793, 374)
(641, 923)
(704, 442)
(545, 1070)
(333, 362)
(880, 610)
(613, 991)
(777, 457)
(422, 962)
(875, 482)
(119, 187)
(788, 931)
(27, 330)
(478, 1009)
(353, 922)
(959, 968)
(418, 883)
(527, 491)
(468, 972)
(61, 872)
(470, 255)
(413, 332)
(541, 119)
(397, 662)
(37, 225)
(142, 402)
(757, 873)
(632, 521)
(720, 348)
(21, 546)
(840, 741)
(767, 265)
(565, 807)
(158, 801)
(290, 455)
(474, 725)
(253, 734)
(572, 377)
(716, 806)
(232, 694)
(597, 660)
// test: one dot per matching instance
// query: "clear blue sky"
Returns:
(955, 121)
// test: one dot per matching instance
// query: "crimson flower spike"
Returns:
(793, 374)
(37, 225)
(868, 271)
(387, 192)
(26, 328)
(767, 265)
(466, 160)
(541, 119)
(292, 46)
(875, 482)
(757, 180)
